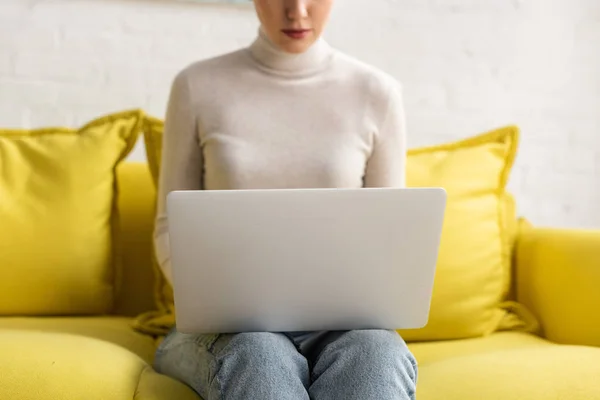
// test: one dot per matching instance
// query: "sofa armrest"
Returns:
(558, 279)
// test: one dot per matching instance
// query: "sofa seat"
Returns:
(62, 366)
(431, 352)
(102, 358)
(112, 329)
(537, 373)
(507, 365)
(118, 330)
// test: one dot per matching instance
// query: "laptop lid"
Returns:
(304, 259)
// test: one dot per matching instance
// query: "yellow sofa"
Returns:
(557, 276)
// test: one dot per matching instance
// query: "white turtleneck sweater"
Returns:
(259, 118)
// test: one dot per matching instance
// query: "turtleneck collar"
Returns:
(271, 57)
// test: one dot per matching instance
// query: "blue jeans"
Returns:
(365, 365)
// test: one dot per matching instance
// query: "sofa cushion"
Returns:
(534, 373)
(57, 213)
(473, 272)
(136, 220)
(116, 330)
(431, 352)
(53, 366)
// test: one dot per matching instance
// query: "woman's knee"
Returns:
(262, 357)
(187, 358)
(260, 346)
(380, 348)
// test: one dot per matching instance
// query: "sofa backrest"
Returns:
(136, 204)
(136, 207)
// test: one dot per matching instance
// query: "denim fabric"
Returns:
(367, 364)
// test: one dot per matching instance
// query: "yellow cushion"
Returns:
(558, 272)
(473, 273)
(57, 191)
(435, 351)
(51, 366)
(116, 330)
(535, 373)
(136, 220)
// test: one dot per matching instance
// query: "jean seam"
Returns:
(207, 345)
(216, 379)
(317, 358)
(213, 343)
(218, 364)
(415, 365)
(159, 354)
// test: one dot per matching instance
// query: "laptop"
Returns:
(304, 259)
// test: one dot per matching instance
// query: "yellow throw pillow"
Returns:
(473, 273)
(57, 216)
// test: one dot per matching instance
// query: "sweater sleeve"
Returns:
(181, 163)
(386, 166)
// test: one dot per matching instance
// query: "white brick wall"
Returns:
(467, 66)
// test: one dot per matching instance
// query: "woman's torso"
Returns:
(260, 128)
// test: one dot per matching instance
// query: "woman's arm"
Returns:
(181, 164)
(386, 166)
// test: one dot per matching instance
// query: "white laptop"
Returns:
(304, 259)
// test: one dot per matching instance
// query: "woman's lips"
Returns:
(296, 33)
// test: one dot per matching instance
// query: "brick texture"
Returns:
(467, 66)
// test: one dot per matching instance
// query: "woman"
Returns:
(287, 112)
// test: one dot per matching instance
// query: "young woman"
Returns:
(286, 112)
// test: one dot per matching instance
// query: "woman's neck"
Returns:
(269, 56)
